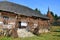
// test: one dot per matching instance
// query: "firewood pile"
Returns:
(1, 32)
(8, 32)
(14, 33)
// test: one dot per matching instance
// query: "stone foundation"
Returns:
(43, 31)
(24, 33)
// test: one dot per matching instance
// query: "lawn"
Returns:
(54, 35)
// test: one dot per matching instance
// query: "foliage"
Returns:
(56, 17)
(52, 14)
(37, 10)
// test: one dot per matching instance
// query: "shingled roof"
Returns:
(19, 9)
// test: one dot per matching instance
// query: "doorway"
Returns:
(22, 24)
(19, 24)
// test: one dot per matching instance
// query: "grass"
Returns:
(53, 35)
(55, 28)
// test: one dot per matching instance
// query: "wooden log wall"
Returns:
(11, 18)
(42, 24)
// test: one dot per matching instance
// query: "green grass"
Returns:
(55, 28)
(45, 36)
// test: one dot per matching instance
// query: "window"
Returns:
(1, 22)
(23, 24)
(5, 19)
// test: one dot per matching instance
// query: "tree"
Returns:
(52, 13)
(56, 17)
(37, 10)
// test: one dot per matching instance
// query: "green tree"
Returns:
(56, 17)
(52, 13)
(37, 10)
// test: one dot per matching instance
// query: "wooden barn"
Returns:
(15, 16)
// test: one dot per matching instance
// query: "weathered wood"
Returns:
(14, 20)
(14, 33)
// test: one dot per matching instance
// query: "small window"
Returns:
(1, 22)
(5, 17)
(23, 24)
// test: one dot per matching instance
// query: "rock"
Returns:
(24, 33)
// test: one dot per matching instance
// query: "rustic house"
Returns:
(15, 16)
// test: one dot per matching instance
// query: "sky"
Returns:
(42, 5)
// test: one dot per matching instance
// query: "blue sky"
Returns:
(42, 5)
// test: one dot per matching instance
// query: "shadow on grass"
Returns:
(57, 35)
(56, 31)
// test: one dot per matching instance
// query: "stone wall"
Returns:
(34, 23)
